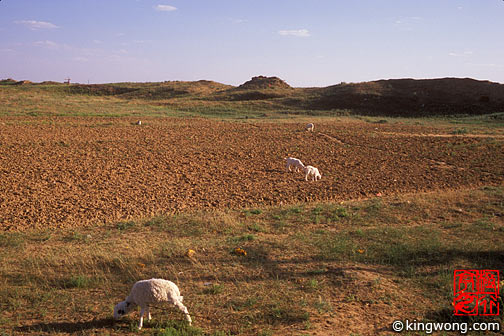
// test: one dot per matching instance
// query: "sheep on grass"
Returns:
(309, 127)
(146, 292)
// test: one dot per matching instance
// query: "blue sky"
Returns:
(305, 42)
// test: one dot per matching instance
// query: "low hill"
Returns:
(393, 97)
(8, 81)
(258, 88)
(410, 97)
(154, 91)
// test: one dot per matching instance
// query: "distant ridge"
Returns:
(440, 96)
(389, 97)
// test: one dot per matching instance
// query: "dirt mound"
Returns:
(8, 81)
(410, 97)
(258, 88)
(24, 82)
(263, 82)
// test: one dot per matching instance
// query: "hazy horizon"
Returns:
(202, 79)
(307, 45)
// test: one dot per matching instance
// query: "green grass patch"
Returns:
(213, 289)
(79, 281)
(176, 328)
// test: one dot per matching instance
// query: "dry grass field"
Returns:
(91, 203)
(347, 268)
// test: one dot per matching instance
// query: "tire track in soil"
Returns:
(440, 164)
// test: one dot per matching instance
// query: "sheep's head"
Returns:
(123, 308)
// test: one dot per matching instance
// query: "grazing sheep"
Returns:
(139, 122)
(309, 127)
(146, 292)
(313, 172)
(294, 162)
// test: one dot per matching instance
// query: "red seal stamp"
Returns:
(476, 292)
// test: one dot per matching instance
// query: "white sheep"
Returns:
(146, 292)
(309, 127)
(294, 162)
(139, 122)
(313, 172)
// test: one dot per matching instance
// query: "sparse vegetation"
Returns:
(259, 98)
(285, 280)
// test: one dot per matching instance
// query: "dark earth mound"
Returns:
(263, 82)
(8, 81)
(410, 97)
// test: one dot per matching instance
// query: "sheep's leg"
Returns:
(183, 308)
(142, 311)
(306, 177)
(149, 317)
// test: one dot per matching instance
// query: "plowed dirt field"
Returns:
(68, 172)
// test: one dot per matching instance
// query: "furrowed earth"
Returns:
(76, 172)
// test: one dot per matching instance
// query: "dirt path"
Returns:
(439, 164)
(486, 136)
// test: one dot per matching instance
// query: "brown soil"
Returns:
(73, 172)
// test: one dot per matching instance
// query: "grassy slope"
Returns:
(35, 101)
(306, 265)
(211, 99)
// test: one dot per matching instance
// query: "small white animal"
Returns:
(310, 127)
(146, 292)
(294, 162)
(313, 172)
(139, 122)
